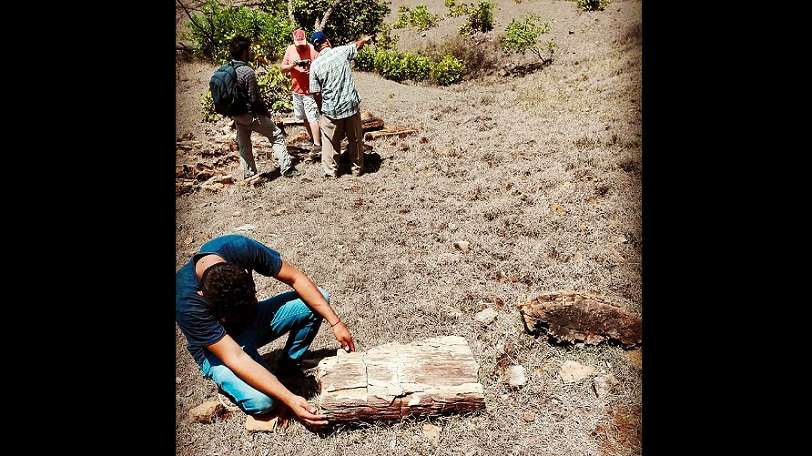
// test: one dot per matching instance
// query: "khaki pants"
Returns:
(246, 123)
(332, 132)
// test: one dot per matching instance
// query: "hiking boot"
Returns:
(248, 174)
(292, 172)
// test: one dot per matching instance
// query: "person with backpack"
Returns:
(236, 94)
(296, 63)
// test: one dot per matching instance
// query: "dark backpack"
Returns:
(229, 100)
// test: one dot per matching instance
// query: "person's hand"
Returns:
(306, 413)
(344, 337)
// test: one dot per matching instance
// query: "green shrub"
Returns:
(592, 5)
(349, 20)
(448, 71)
(401, 66)
(365, 59)
(214, 26)
(207, 108)
(274, 86)
(478, 60)
(522, 35)
(418, 67)
(420, 18)
(384, 39)
(458, 10)
(276, 89)
(455, 10)
(403, 18)
(480, 18)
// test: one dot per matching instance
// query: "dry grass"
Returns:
(541, 174)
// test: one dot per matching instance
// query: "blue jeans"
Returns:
(275, 316)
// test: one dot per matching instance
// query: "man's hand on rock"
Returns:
(344, 337)
(306, 413)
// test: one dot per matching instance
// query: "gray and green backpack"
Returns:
(225, 91)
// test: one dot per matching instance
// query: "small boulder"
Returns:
(206, 412)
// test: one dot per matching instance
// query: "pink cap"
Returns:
(299, 37)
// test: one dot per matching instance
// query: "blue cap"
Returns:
(318, 37)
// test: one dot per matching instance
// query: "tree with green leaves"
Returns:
(522, 35)
(341, 20)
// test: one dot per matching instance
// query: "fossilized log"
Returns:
(371, 125)
(285, 121)
(390, 131)
(430, 377)
(370, 122)
(573, 317)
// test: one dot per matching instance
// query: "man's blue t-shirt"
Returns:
(199, 326)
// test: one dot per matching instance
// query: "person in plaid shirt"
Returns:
(258, 117)
(332, 84)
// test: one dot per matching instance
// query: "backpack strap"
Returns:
(234, 67)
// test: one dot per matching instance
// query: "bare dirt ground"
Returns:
(541, 174)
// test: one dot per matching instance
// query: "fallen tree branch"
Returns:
(390, 131)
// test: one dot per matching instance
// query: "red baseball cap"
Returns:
(299, 38)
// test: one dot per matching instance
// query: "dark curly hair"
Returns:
(238, 44)
(231, 295)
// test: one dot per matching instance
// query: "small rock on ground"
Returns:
(206, 412)
(464, 246)
(486, 316)
(517, 375)
(573, 372)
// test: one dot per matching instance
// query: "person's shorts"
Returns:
(304, 108)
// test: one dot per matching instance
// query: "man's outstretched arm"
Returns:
(251, 372)
(311, 296)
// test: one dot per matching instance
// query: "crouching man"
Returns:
(217, 310)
